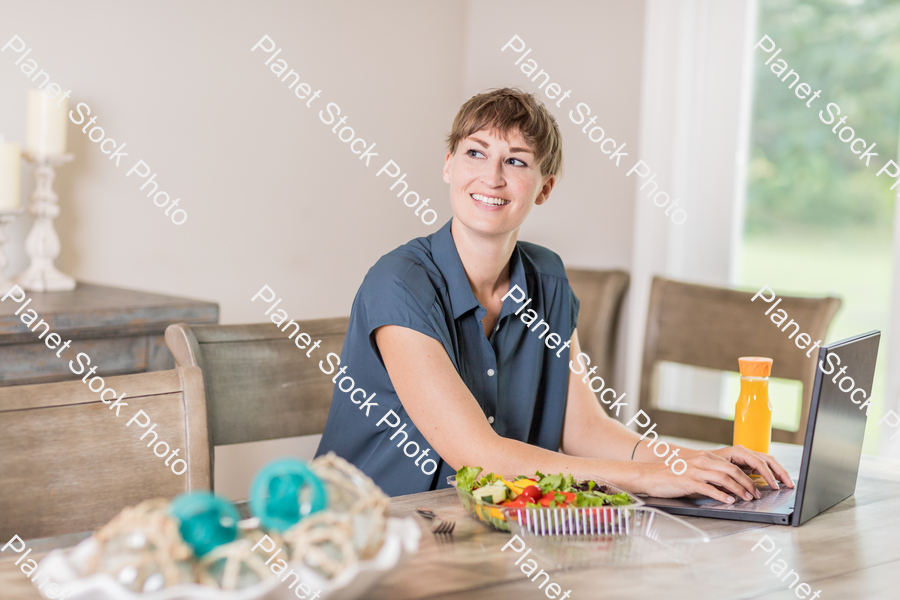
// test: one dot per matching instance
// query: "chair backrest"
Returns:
(260, 385)
(712, 327)
(68, 464)
(601, 295)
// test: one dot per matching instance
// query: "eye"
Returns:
(520, 163)
(472, 152)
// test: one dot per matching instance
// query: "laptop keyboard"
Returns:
(771, 499)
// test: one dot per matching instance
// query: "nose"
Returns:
(493, 173)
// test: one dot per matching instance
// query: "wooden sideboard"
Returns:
(121, 330)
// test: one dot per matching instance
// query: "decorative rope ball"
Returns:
(142, 549)
(353, 494)
(350, 529)
(235, 566)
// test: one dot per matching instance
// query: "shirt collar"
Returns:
(516, 278)
(462, 299)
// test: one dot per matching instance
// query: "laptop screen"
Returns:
(834, 435)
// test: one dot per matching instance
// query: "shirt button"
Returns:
(490, 372)
(490, 419)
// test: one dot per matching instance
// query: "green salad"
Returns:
(537, 491)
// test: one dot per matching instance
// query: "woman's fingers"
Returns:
(780, 472)
(760, 465)
(736, 474)
(719, 475)
(764, 464)
(712, 492)
(728, 479)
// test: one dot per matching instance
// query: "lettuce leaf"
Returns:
(465, 477)
(621, 499)
(556, 483)
(487, 480)
(593, 498)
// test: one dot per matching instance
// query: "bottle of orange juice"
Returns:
(753, 411)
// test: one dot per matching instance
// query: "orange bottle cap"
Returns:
(755, 366)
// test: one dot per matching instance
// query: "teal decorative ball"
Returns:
(285, 491)
(206, 520)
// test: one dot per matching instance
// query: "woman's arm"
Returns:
(446, 413)
(588, 431)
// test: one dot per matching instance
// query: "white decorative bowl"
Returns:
(401, 541)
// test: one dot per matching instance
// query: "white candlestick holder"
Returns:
(6, 216)
(42, 244)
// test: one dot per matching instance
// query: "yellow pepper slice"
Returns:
(513, 487)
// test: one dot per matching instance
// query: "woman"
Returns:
(455, 377)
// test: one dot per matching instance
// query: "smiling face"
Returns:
(494, 182)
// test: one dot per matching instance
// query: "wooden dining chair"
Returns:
(260, 385)
(68, 464)
(601, 295)
(712, 327)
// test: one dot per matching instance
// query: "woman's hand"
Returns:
(715, 474)
(762, 464)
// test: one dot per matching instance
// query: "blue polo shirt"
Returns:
(520, 383)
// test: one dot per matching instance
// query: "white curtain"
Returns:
(695, 119)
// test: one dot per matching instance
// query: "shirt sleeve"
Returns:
(574, 306)
(398, 292)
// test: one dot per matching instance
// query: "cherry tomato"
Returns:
(533, 492)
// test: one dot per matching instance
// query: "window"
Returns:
(816, 219)
(774, 197)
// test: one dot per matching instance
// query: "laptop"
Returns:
(831, 452)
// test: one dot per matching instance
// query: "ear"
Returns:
(447, 168)
(546, 188)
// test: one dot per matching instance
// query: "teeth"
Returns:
(490, 200)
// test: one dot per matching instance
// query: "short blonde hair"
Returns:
(511, 109)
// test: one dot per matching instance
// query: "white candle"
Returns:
(10, 171)
(45, 130)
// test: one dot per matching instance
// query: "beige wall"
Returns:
(593, 49)
(273, 197)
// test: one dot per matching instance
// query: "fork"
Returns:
(443, 527)
(438, 526)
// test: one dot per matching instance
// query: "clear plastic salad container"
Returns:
(495, 514)
(624, 535)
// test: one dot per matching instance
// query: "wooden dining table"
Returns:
(850, 551)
